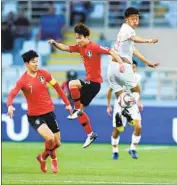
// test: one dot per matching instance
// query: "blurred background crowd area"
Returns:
(29, 24)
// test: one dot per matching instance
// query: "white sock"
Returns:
(136, 96)
(135, 141)
(115, 149)
(115, 142)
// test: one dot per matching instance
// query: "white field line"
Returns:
(150, 148)
(81, 182)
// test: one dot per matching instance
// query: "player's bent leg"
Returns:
(47, 134)
(118, 126)
(85, 122)
(57, 140)
(126, 113)
(75, 86)
(118, 121)
(136, 136)
(136, 93)
(54, 161)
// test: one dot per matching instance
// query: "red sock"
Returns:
(85, 122)
(49, 150)
(75, 95)
(45, 153)
(53, 154)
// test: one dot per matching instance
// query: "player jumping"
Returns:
(119, 121)
(124, 46)
(83, 91)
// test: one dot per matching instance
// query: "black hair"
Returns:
(134, 62)
(82, 29)
(71, 75)
(27, 56)
(131, 11)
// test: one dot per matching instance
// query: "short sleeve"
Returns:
(47, 75)
(74, 48)
(125, 34)
(102, 50)
(131, 33)
(19, 85)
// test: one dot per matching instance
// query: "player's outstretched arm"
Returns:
(138, 39)
(140, 56)
(61, 94)
(109, 95)
(115, 56)
(59, 46)
(117, 59)
(13, 93)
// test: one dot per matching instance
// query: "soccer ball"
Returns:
(126, 100)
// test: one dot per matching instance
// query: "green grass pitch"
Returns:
(94, 165)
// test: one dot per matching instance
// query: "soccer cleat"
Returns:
(115, 156)
(42, 163)
(76, 114)
(54, 165)
(90, 139)
(126, 114)
(133, 153)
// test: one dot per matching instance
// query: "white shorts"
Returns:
(134, 112)
(118, 109)
(118, 80)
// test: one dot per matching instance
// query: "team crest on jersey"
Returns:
(42, 79)
(89, 53)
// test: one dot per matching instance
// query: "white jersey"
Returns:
(137, 78)
(124, 45)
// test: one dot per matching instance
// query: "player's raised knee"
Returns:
(74, 84)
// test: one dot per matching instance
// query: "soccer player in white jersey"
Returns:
(119, 122)
(124, 46)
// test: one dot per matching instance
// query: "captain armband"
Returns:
(53, 82)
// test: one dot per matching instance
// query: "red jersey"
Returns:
(91, 54)
(35, 91)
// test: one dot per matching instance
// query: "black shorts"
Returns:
(49, 119)
(89, 90)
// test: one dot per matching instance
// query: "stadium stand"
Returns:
(154, 15)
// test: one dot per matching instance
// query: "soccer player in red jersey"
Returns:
(40, 113)
(83, 91)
